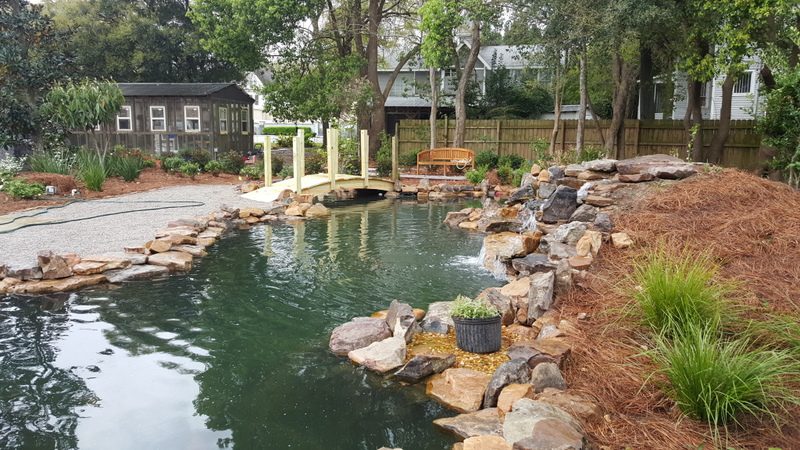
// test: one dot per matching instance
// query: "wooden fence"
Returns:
(641, 137)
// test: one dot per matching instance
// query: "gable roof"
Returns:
(226, 90)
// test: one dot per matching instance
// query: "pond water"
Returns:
(234, 354)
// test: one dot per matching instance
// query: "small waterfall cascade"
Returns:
(583, 192)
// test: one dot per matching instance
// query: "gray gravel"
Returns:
(111, 233)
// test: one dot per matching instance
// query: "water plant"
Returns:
(468, 308)
(21, 189)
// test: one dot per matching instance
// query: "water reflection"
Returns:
(234, 354)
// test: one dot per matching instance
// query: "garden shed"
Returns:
(167, 117)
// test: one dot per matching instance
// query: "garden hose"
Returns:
(170, 204)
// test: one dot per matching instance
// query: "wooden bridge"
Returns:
(322, 183)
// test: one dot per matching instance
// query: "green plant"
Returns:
(172, 164)
(477, 175)
(10, 166)
(127, 167)
(195, 155)
(189, 169)
(286, 172)
(315, 161)
(384, 156)
(505, 174)
(591, 153)
(22, 189)
(278, 130)
(673, 290)
(540, 148)
(93, 176)
(467, 308)
(513, 160)
(408, 159)
(718, 381)
(486, 158)
(349, 159)
(284, 141)
(781, 124)
(231, 162)
(277, 165)
(59, 160)
(517, 174)
(213, 167)
(252, 172)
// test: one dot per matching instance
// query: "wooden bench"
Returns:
(453, 157)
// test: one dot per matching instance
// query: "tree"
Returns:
(85, 105)
(32, 58)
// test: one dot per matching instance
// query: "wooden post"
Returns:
(446, 131)
(497, 132)
(297, 155)
(395, 160)
(365, 156)
(302, 135)
(636, 141)
(563, 136)
(268, 162)
(333, 156)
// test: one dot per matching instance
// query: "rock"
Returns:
(467, 225)
(437, 319)
(584, 213)
(560, 205)
(7, 283)
(621, 240)
(540, 297)
(194, 250)
(547, 375)
(599, 201)
(486, 443)
(580, 262)
(589, 244)
(498, 225)
(422, 366)
(500, 301)
(661, 166)
(297, 209)
(24, 273)
(358, 333)
(521, 195)
(454, 218)
(568, 233)
(563, 277)
(3, 271)
(590, 175)
(549, 331)
(136, 249)
(419, 313)
(138, 272)
(513, 392)
(603, 222)
(211, 232)
(408, 189)
(636, 178)
(459, 389)
(527, 179)
(533, 263)
(546, 190)
(558, 251)
(381, 356)
(556, 172)
(573, 170)
(520, 333)
(89, 267)
(535, 169)
(247, 212)
(177, 239)
(549, 434)
(486, 422)
(207, 242)
(318, 210)
(249, 187)
(158, 246)
(517, 288)
(53, 266)
(507, 245)
(174, 261)
(178, 231)
(520, 423)
(72, 283)
(544, 176)
(514, 371)
(573, 404)
(554, 348)
(401, 320)
(601, 165)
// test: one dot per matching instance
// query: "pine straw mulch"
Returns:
(752, 226)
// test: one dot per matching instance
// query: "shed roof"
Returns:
(181, 90)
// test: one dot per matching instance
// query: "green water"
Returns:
(234, 354)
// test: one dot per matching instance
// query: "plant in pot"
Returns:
(478, 325)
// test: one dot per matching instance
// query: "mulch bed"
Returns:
(752, 227)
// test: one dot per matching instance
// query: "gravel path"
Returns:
(110, 233)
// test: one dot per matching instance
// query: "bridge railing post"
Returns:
(333, 155)
(302, 136)
(395, 160)
(365, 156)
(268, 162)
(297, 162)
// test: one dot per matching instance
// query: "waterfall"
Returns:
(496, 267)
(583, 192)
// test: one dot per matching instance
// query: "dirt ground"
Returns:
(751, 226)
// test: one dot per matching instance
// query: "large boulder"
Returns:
(507, 245)
(577, 406)
(550, 434)
(174, 261)
(560, 205)
(533, 263)
(486, 443)
(546, 190)
(358, 333)
(53, 266)
(73, 283)
(521, 195)
(601, 165)
(603, 222)
(547, 375)
(318, 210)
(485, 422)
(402, 320)
(459, 389)
(514, 371)
(521, 423)
(660, 166)
(422, 366)
(584, 213)
(499, 301)
(381, 356)
(540, 296)
(454, 218)
(568, 233)
(437, 319)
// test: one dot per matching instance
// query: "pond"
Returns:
(235, 353)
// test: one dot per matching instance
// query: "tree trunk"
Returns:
(721, 136)
(579, 137)
(622, 75)
(647, 104)
(693, 120)
(377, 122)
(463, 82)
(558, 88)
(434, 105)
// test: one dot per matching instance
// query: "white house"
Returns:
(253, 85)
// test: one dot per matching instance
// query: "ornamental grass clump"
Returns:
(675, 290)
(719, 381)
(467, 308)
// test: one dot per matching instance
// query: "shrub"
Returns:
(486, 158)
(172, 164)
(408, 159)
(349, 158)
(252, 172)
(541, 152)
(512, 160)
(517, 174)
(286, 131)
(231, 162)
(476, 176)
(286, 172)
(315, 161)
(10, 166)
(591, 153)
(505, 174)
(718, 381)
(277, 165)
(195, 155)
(189, 169)
(384, 156)
(22, 189)
(467, 308)
(675, 290)
(57, 160)
(213, 167)
(284, 141)
(127, 167)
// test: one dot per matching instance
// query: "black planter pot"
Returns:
(478, 335)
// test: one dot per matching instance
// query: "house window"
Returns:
(743, 83)
(658, 97)
(158, 118)
(245, 120)
(191, 115)
(223, 120)
(124, 119)
(703, 94)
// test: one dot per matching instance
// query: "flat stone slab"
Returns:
(174, 261)
(358, 333)
(459, 389)
(486, 422)
(72, 283)
(135, 273)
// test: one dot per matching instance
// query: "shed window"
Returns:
(245, 120)
(223, 120)
(192, 117)
(158, 118)
(124, 119)
(742, 85)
